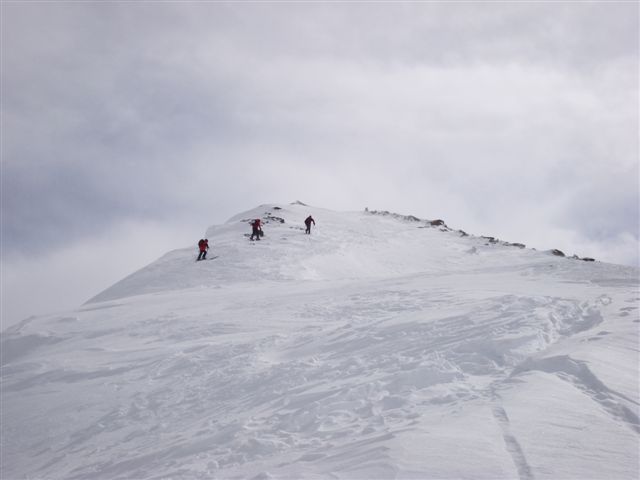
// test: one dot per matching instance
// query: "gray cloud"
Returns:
(480, 113)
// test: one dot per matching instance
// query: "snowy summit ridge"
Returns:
(345, 245)
(378, 346)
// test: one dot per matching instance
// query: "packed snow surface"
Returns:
(379, 346)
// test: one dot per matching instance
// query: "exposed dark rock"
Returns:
(462, 233)
(588, 259)
(491, 239)
(409, 218)
(272, 218)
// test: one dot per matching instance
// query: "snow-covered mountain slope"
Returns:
(379, 346)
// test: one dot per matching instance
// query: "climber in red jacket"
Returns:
(256, 229)
(203, 245)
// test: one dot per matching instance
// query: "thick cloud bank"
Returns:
(514, 120)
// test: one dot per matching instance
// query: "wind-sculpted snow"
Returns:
(371, 349)
(341, 246)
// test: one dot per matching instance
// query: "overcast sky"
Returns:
(128, 128)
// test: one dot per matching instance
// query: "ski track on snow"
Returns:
(512, 445)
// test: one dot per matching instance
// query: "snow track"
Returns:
(512, 445)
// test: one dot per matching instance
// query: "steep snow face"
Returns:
(356, 245)
(376, 347)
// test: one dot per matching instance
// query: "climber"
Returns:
(308, 222)
(256, 229)
(203, 245)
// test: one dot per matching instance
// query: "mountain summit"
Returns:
(378, 346)
(342, 246)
